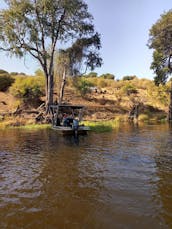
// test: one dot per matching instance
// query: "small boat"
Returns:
(66, 120)
(65, 130)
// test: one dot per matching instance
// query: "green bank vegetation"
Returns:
(28, 93)
(35, 127)
(102, 126)
(105, 96)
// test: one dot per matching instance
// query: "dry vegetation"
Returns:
(108, 99)
(105, 99)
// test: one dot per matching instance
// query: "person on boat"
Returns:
(64, 119)
(58, 120)
(67, 120)
(75, 124)
(70, 120)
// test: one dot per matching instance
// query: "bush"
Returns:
(28, 88)
(102, 83)
(3, 71)
(82, 85)
(129, 89)
(91, 75)
(39, 72)
(129, 77)
(108, 76)
(14, 73)
(5, 81)
(143, 117)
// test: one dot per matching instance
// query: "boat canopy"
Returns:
(68, 109)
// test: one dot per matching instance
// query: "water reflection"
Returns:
(164, 172)
(114, 180)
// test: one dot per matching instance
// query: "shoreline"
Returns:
(95, 125)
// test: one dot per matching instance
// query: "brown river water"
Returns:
(121, 179)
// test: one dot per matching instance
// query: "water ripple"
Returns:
(121, 178)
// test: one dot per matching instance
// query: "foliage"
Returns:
(35, 127)
(3, 71)
(36, 27)
(129, 78)
(91, 75)
(39, 73)
(14, 73)
(160, 41)
(108, 76)
(158, 95)
(82, 85)
(101, 82)
(143, 118)
(144, 84)
(160, 68)
(130, 89)
(5, 81)
(82, 55)
(99, 127)
(17, 73)
(103, 126)
(28, 88)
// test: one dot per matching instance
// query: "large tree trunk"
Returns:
(46, 90)
(170, 106)
(55, 118)
(49, 96)
(62, 87)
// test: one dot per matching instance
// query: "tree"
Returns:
(72, 61)
(37, 26)
(62, 70)
(108, 76)
(129, 78)
(91, 75)
(3, 71)
(83, 55)
(161, 41)
(160, 68)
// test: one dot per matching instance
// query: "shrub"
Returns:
(14, 73)
(129, 77)
(142, 83)
(102, 83)
(108, 76)
(3, 71)
(82, 86)
(28, 88)
(91, 75)
(39, 72)
(143, 117)
(93, 81)
(5, 81)
(129, 89)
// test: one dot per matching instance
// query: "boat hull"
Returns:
(82, 130)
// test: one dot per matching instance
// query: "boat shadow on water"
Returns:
(74, 139)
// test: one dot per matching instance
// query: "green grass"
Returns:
(102, 126)
(34, 126)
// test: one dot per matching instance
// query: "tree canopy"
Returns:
(38, 26)
(161, 42)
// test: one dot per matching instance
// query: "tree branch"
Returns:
(54, 41)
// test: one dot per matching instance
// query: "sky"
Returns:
(124, 27)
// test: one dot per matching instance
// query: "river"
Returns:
(121, 179)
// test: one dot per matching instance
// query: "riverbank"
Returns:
(107, 101)
(95, 126)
